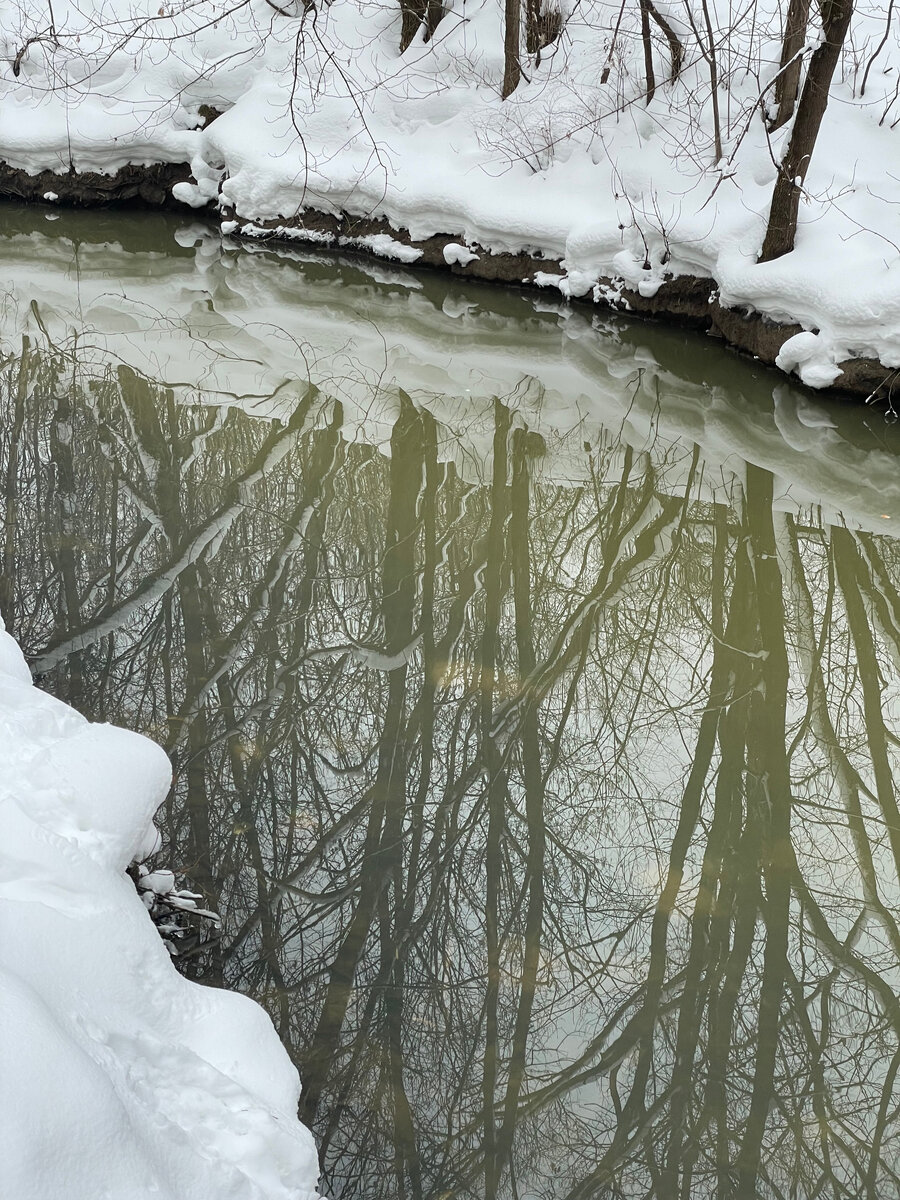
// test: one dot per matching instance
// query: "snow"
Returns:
(385, 246)
(161, 882)
(320, 111)
(455, 253)
(120, 1078)
(811, 356)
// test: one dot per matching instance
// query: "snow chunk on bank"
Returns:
(120, 1078)
(385, 246)
(455, 254)
(811, 356)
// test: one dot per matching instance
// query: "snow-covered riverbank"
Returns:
(120, 1078)
(284, 112)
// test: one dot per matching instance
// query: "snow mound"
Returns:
(120, 1078)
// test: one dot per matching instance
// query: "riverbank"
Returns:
(313, 125)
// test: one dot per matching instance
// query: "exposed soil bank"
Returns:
(132, 186)
(686, 299)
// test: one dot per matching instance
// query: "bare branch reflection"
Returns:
(554, 821)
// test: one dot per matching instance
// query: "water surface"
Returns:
(531, 686)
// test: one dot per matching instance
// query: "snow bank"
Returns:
(120, 1078)
(314, 107)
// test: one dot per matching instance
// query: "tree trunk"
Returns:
(710, 55)
(542, 27)
(412, 13)
(787, 83)
(782, 227)
(648, 50)
(512, 71)
(675, 47)
(416, 13)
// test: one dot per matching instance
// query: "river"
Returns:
(530, 679)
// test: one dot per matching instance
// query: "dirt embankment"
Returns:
(687, 299)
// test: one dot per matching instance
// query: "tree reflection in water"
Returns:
(555, 823)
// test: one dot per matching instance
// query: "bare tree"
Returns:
(783, 213)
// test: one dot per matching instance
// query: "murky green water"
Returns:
(532, 693)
